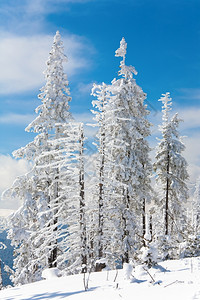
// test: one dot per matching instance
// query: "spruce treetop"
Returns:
(121, 51)
(167, 104)
(126, 71)
(55, 94)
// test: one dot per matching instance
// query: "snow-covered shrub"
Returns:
(168, 247)
(148, 253)
(190, 247)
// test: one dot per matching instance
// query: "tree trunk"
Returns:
(82, 208)
(100, 266)
(100, 228)
(91, 243)
(143, 216)
(151, 225)
(143, 220)
(52, 261)
(167, 199)
(125, 255)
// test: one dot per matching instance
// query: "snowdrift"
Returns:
(177, 279)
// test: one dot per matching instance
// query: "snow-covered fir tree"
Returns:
(82, 210)
(171, 177)
(148, 253)
(57, 182)
(100, 189)
(191, 245)
(127, 166)
(130, 153)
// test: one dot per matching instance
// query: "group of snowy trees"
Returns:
(119, 216)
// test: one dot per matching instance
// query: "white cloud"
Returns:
(84, 88)
(48, 6)
(17, 119)
(190, 116)
(25, 119)
(22, 60)
(28, 16)
(190, 128)
(90, 132)
(192, 156)
(192, 148)
(86, 118)
(189, 94)
(10, 169)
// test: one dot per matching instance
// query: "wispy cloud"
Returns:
(30, 15)
(192, 148)
(9, 170)
(84, 117)
(25, 119)
(84, 88)
(192, 156)
(191, 118)
(189, 94)
(87, 118)
(16, 119)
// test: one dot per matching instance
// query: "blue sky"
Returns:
(163, 40)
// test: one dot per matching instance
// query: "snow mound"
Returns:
(140, 271)
(50, 273)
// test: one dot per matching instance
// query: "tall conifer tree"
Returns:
(126, 163)
(55, 184)
(171, 170)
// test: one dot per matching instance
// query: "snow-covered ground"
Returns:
(178, 279)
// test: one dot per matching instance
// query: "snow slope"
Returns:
(178, 279)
